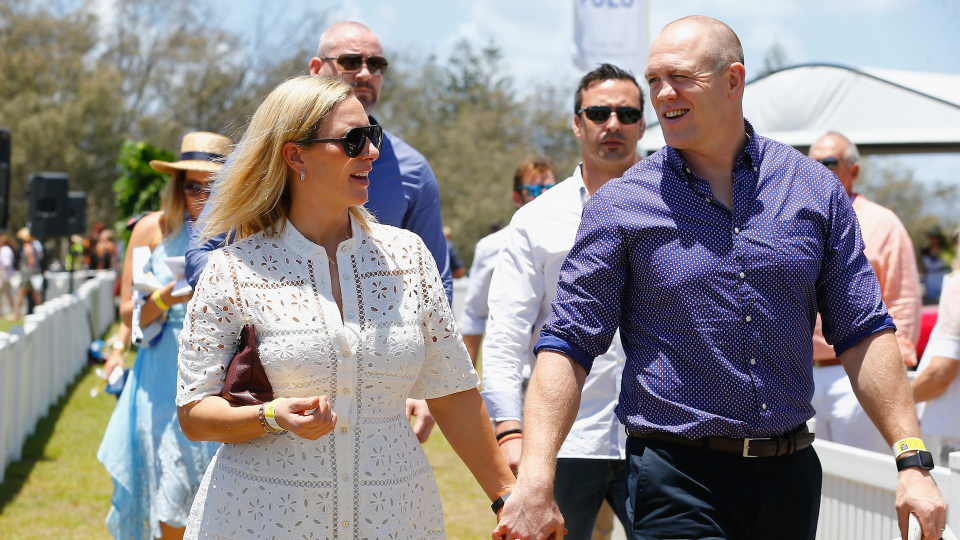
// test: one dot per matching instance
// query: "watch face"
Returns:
(926, 460)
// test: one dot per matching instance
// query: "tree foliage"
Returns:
(475, 129)
(139, 187)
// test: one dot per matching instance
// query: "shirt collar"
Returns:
(577, 178)
(750, 157)
(305, 248)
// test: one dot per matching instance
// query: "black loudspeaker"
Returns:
(77, 219)
(5, 173)
(49, 210)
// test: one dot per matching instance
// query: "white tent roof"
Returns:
(882, 111)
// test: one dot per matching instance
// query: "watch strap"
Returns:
(922, 459)
(498, 504)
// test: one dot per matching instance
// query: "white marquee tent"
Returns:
(882, 111)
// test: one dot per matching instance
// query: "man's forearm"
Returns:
(553, 400)
(880, 382)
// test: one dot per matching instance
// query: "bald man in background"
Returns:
(888, 247)
(712, 258)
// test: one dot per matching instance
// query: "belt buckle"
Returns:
(746, 445)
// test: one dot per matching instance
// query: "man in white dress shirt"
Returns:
(591, 469)
(534, 176)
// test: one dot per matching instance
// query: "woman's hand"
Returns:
(307, 418)
(114, 360)
(166, 294)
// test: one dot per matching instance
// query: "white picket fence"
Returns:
(39, 360)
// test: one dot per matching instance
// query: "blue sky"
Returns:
(536, 36)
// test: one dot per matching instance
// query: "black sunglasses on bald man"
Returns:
(600, 113)
(354, 141)
(829, 162)
(352, 62)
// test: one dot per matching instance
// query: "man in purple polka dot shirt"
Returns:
(713, 257)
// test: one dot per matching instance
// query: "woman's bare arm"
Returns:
(464, 421)
(216, 419)
(935, 379)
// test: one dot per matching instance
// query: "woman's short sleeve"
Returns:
(211, 329)
(446, 367)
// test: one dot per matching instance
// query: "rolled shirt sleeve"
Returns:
(848, 293)
(473, 319)
(587, 308)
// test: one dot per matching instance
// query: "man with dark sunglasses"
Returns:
(590, 469)
(887, 245)
(403, 190)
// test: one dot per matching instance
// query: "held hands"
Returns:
(530, 514)
(425, 421)
(307, 418)
(918, 494)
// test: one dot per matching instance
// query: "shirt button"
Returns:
(345, 477)
(748, 318)
(346, 275)
(343, 430)
(755, 169)
(343, 248)
(346, 524)
(346, 390)
(349, 315)
(742, 275)
(753, 361)
(764, 406)
(736, 230)
(346, 353)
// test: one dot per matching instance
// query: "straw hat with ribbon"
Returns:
(199, 151)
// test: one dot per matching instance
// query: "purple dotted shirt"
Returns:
(716, 307)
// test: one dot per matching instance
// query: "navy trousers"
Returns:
(684, 492)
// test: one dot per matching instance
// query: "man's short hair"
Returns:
(606, 72)
(851, 154)
(725, 47)
(540, 164)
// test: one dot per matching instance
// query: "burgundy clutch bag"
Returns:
(247, 382)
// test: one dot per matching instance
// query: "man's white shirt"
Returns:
(523, 286)
(473, 320)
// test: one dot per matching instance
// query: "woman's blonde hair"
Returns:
(173, 205)
(253, 193)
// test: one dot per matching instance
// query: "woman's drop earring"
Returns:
(302, 175)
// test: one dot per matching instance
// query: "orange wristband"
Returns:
(510, 437)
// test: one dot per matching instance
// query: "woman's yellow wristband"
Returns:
(907, 445)
(158, 301)
(269, 413)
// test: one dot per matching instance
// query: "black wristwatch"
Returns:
(922, 459)
(498, 504)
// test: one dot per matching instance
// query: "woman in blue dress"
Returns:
(156, 471)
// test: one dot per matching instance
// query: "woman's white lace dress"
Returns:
(369, 478)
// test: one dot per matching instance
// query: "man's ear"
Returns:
(737, 79)
(576, 125)
(855, 171)
(517, 199)
(315, 64)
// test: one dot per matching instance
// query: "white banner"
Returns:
(611, 31)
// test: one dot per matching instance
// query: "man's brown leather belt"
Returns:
(763, 447)
(826, 362)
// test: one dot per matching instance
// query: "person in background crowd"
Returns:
(156, 471)
(534, 176)
(936, 383)
(91, 242)
(404, 192)
(351, 318)
(31, 272)
(936, 259)
(7, 269)
(712, 257)
(888, 248)
(590, 469)
(75, 255)
(457, 268)
(104, 254)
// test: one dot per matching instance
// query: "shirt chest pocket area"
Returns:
(382, 297)
(792, 249)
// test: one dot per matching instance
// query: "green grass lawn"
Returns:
(60, 490)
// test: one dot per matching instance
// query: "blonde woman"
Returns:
(351, 318)
(156, 471)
